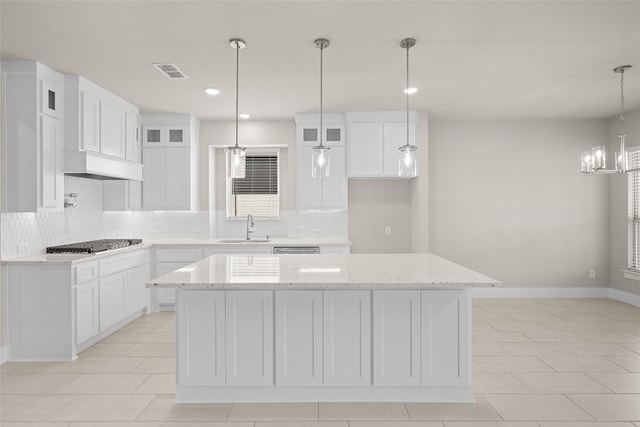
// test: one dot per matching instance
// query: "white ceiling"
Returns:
(473, 60)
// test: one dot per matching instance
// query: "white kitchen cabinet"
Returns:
(86, 311)
(137, 294)
(34, 136)
(100, 132)
(166, 261)
(347, 338)
(374, 139)
(112, 299)
(321, 192)
(249, 338)
(298, 352)
(201, 338)
(396, 338)
(445, 338)
(170, 158)
(55, 310)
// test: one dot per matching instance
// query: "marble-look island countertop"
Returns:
(328, 271)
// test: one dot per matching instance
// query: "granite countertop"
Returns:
(75, 258)
(328, 271)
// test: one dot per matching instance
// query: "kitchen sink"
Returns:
(244, 241)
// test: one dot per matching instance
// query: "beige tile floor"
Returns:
(537, 363)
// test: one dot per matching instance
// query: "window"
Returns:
(634, 211)
(256, 194)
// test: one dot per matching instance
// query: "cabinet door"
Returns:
(201, 337)
(334, 186)
(249, 338)
(90, 122)
(153, 171)
(51, 177)
(51, 98)
(167, 295)
(446, 341)
(152, 135)
(175, 186)
(365, 149)
(396, 338)
(137, 296)
(112, 299)
(112, 130)
(347, 338)
(395, 136)
(298, 338)
(176, 135)
(132, 151)
(309, 189)
(86, 306)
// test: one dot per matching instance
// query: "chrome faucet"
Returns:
(249, 226)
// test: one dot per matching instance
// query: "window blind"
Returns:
(634, 212)
(257, 193)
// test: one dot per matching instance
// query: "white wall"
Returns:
(508, 199)
(618, 204)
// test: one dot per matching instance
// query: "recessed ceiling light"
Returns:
(211, 91)
(244, 116)
(411, 90)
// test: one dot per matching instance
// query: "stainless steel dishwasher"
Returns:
(296, 250)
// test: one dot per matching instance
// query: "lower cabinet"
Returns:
(87, 311)
(249, 338)
(324, 338)
(396, 338)
(112, 299)
(347, 338)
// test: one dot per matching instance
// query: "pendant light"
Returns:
(408, 152)
(236, 154)
(595, 161)
(320, 153)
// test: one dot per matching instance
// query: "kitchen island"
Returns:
(309, 328)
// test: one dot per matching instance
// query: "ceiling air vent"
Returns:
(170, 70)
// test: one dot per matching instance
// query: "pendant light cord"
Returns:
(321, 51)
(407, 89)
(237, 85)
(622, 102)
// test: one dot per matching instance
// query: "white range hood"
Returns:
(88, 164)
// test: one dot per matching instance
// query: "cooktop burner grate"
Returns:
(93, 246)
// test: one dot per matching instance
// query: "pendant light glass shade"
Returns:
(236, 155)
(320, 161)
(320, 153)
(407, 160)
(595, 161)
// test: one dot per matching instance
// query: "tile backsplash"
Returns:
(24, 234)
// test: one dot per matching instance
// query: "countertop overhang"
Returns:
(324, 271)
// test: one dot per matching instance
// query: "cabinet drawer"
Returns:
(122, 262)
(85, 272)
(175, 255)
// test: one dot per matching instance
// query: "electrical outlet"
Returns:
(22, 248)
(387, 230)
(592, 274)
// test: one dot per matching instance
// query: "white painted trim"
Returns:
(498, 292)
(623, 296)
(501, 292)
(4, 354)
(633, 275)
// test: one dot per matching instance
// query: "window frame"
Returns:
(266, 151)
(633, 215)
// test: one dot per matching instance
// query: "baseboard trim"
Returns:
(499, 292)
(4, 355)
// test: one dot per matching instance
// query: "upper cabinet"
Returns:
(33, 108)
(170, 145)
(101, 132)
(374, 139)
(327, 192)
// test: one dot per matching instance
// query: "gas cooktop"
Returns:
(93, 246)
